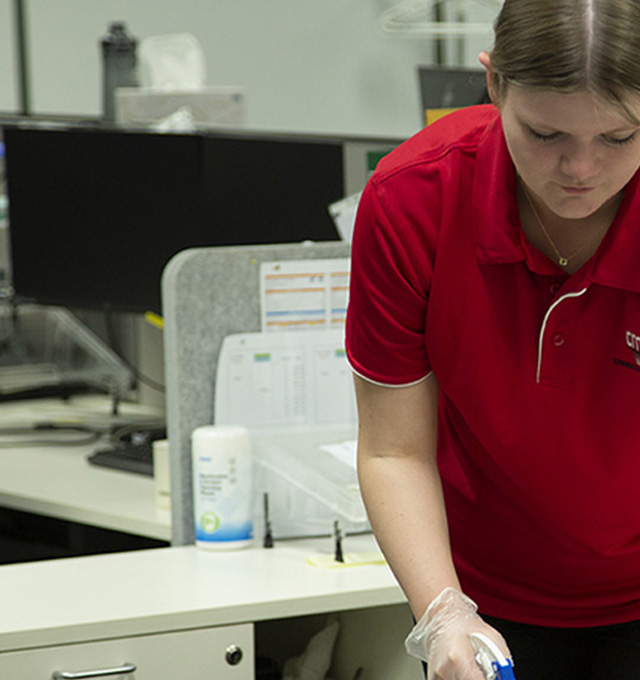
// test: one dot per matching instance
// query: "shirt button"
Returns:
(558, 340)
(554, 288)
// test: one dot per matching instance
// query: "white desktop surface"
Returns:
(180, 588)
(76, 612)
(57, 481)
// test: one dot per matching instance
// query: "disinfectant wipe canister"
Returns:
(222, 486)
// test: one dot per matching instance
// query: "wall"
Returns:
(308, 65)
(317, 66)
(8, 86)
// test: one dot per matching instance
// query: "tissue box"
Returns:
(215, 105)
(308, 488)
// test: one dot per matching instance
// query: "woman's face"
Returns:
(572, 151)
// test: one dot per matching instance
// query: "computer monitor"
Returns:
(450, 87)
(96, 213)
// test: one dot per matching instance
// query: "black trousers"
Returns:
(601, 653)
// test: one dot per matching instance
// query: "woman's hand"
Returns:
(442, 637)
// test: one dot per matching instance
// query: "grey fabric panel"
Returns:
(208, 293)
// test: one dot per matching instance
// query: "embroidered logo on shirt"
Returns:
(633, 343)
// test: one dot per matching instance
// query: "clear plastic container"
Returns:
(48, 346)
(308, 488)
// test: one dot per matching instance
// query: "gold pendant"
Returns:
(563, 262)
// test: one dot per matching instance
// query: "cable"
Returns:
(82, 434)
(141, 430)
(89, 436)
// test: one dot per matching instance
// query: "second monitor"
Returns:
(96, 213)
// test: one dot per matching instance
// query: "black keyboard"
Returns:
(133, 454)
(132, 458)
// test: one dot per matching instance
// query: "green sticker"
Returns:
(210, 522)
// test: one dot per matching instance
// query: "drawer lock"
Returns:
(233, 655)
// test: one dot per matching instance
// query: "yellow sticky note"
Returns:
(353, 559)
(154, 319)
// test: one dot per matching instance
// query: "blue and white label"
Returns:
(222, 498)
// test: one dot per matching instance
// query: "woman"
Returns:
(494, 329)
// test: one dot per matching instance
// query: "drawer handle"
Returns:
(100, 673)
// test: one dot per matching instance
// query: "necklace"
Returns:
(563, 260)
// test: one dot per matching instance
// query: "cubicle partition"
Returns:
(207, 294)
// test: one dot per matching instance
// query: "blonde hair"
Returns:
(569, 45)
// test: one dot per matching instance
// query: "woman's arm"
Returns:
(401, 487)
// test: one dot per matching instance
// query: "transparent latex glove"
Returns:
(441, 637)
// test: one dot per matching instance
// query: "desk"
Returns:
(146, 606)
(57, 481)
(176, 611)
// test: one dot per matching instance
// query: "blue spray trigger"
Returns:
(491, 660)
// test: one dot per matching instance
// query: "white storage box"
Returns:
(209, 106)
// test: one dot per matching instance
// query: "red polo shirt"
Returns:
(539, 373)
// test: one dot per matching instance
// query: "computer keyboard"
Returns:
(134, 454)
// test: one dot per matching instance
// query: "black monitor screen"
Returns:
(96, 213)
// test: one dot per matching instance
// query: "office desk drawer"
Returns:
(225, 653)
